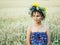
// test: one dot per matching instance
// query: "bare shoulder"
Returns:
(29, 27)
(46, 27)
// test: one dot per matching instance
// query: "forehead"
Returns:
(36, 13)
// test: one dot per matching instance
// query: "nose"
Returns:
(35, 18)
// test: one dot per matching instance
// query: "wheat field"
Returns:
(14, 20)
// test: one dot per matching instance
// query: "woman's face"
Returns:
(37, 17)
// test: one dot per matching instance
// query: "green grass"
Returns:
(13, 31)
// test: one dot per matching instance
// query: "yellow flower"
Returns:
(44, 8)
(36, 5)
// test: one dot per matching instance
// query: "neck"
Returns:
(37, 23)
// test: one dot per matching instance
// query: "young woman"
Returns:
(37, 33)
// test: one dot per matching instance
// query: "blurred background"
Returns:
(14, 20)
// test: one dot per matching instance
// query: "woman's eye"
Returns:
(37, 16)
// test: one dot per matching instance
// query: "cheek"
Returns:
(39, 18)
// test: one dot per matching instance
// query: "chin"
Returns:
(37, 21)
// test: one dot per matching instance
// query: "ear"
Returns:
(41, 17)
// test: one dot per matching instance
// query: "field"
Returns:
(13, 31)
(14, 20)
